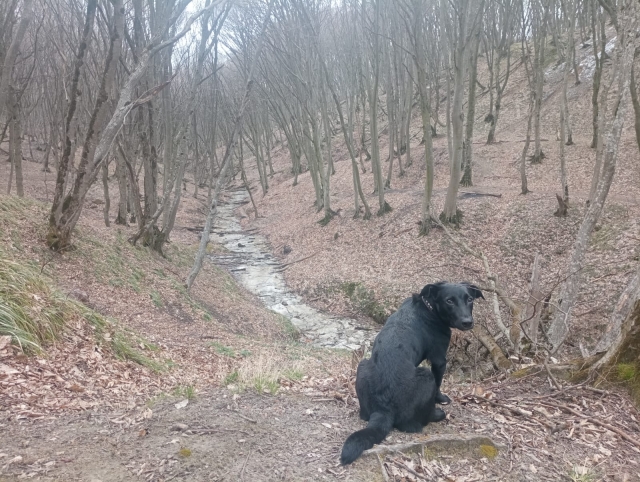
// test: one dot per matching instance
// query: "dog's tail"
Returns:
(380, 424)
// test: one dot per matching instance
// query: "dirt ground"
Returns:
(222, 435)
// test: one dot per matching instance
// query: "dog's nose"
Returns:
(467, 324)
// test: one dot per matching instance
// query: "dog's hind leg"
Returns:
(411, 426)
(426, 396)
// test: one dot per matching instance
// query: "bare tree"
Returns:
(12, 53)
(626, 25)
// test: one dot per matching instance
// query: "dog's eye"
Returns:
(450, 301)
(470, 301)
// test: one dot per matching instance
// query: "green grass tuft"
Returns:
(156, 298)
(626, 371)
(365, 300)
(187, 391)
(223, 350)
(231, 378)
(31, 312)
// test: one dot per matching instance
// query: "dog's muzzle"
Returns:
(467, 325)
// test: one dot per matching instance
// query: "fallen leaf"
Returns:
(182, 404)
(604, 451)
(533, 469)
(499, 418)
(7, 370)
(5, 341)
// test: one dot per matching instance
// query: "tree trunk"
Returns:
(636, 105)
(538, 75)
(560, 324)
(121, 175)
(373, 103)
(450, 213)
(12, 54)
(467, 177)
(599, 61)
(391, 115)
(58, 236)
(328, 212)
(425, 112)
(531, 320)
(105, 189)
(15, 145)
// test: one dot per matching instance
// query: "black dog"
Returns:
(392, 389)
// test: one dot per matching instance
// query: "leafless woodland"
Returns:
(180, 98)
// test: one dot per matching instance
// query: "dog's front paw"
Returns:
(442, 399)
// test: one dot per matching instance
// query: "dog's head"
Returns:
(452, 302)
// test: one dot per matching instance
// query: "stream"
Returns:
(249, 260)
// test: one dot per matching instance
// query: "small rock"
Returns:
(179, 427)
(80, 295)
(240, 245)
(287, 249)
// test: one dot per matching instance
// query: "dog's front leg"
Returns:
(438, 372)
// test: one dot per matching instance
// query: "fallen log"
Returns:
(442, 443)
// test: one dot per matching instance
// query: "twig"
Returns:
(282, 268)
(243, 466)
(408, 469)
(548, 395)
(384, 471)
(245, 417)
(553, 379)
(481, 193)
(595, 421)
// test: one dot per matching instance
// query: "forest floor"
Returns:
(226, 392)
(237, 398)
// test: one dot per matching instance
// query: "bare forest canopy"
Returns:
(161, 93)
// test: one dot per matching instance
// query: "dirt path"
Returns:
(222, 435)
(218, 436)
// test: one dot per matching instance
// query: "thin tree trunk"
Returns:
(560, 324)
(599, 61)
(534, 304)
(450, 213)
(15, 133)
(121, 175)
(105, 189)
(467, 177)
(328, 212)
(12, 54)
(636, 105)
(621, 339)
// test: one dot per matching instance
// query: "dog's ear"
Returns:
(430, 291)
(473, 290)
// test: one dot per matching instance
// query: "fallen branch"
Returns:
(445, 442)
(497, 356)
(553, 379)
(384, 471)
(284, 266)
(479, 194)
(245, 417)
(595, 421)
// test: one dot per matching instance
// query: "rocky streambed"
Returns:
(248, 258)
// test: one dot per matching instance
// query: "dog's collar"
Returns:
(427, 304)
